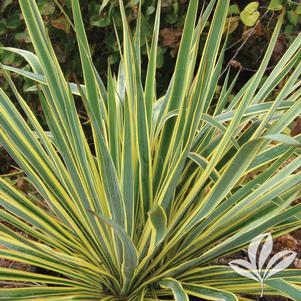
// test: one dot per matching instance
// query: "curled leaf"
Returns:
(158, 221)
(176, 287)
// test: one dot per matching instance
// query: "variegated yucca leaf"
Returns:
(170, 184)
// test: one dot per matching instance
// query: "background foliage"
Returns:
(251, 24)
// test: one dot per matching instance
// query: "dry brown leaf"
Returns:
(170, 36)
(296, 130)
(235, 64)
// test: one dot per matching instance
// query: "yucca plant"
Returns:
(169, 185)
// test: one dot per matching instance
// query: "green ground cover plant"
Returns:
(169, 184)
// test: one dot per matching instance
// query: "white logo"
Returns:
(257, 268)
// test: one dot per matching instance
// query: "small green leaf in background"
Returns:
(298, 9)
(5, 4)
(250, 14)
(289, 28)
(275, 5)
(173, 16)
(46, 8)
(99, 21)
(7, 58)
(231, 24)
(22, 37)
(2, 27)
(233, 10)
(292, 17)
(98, 17)
(13, 21)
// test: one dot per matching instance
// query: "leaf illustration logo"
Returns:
(257, 268)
